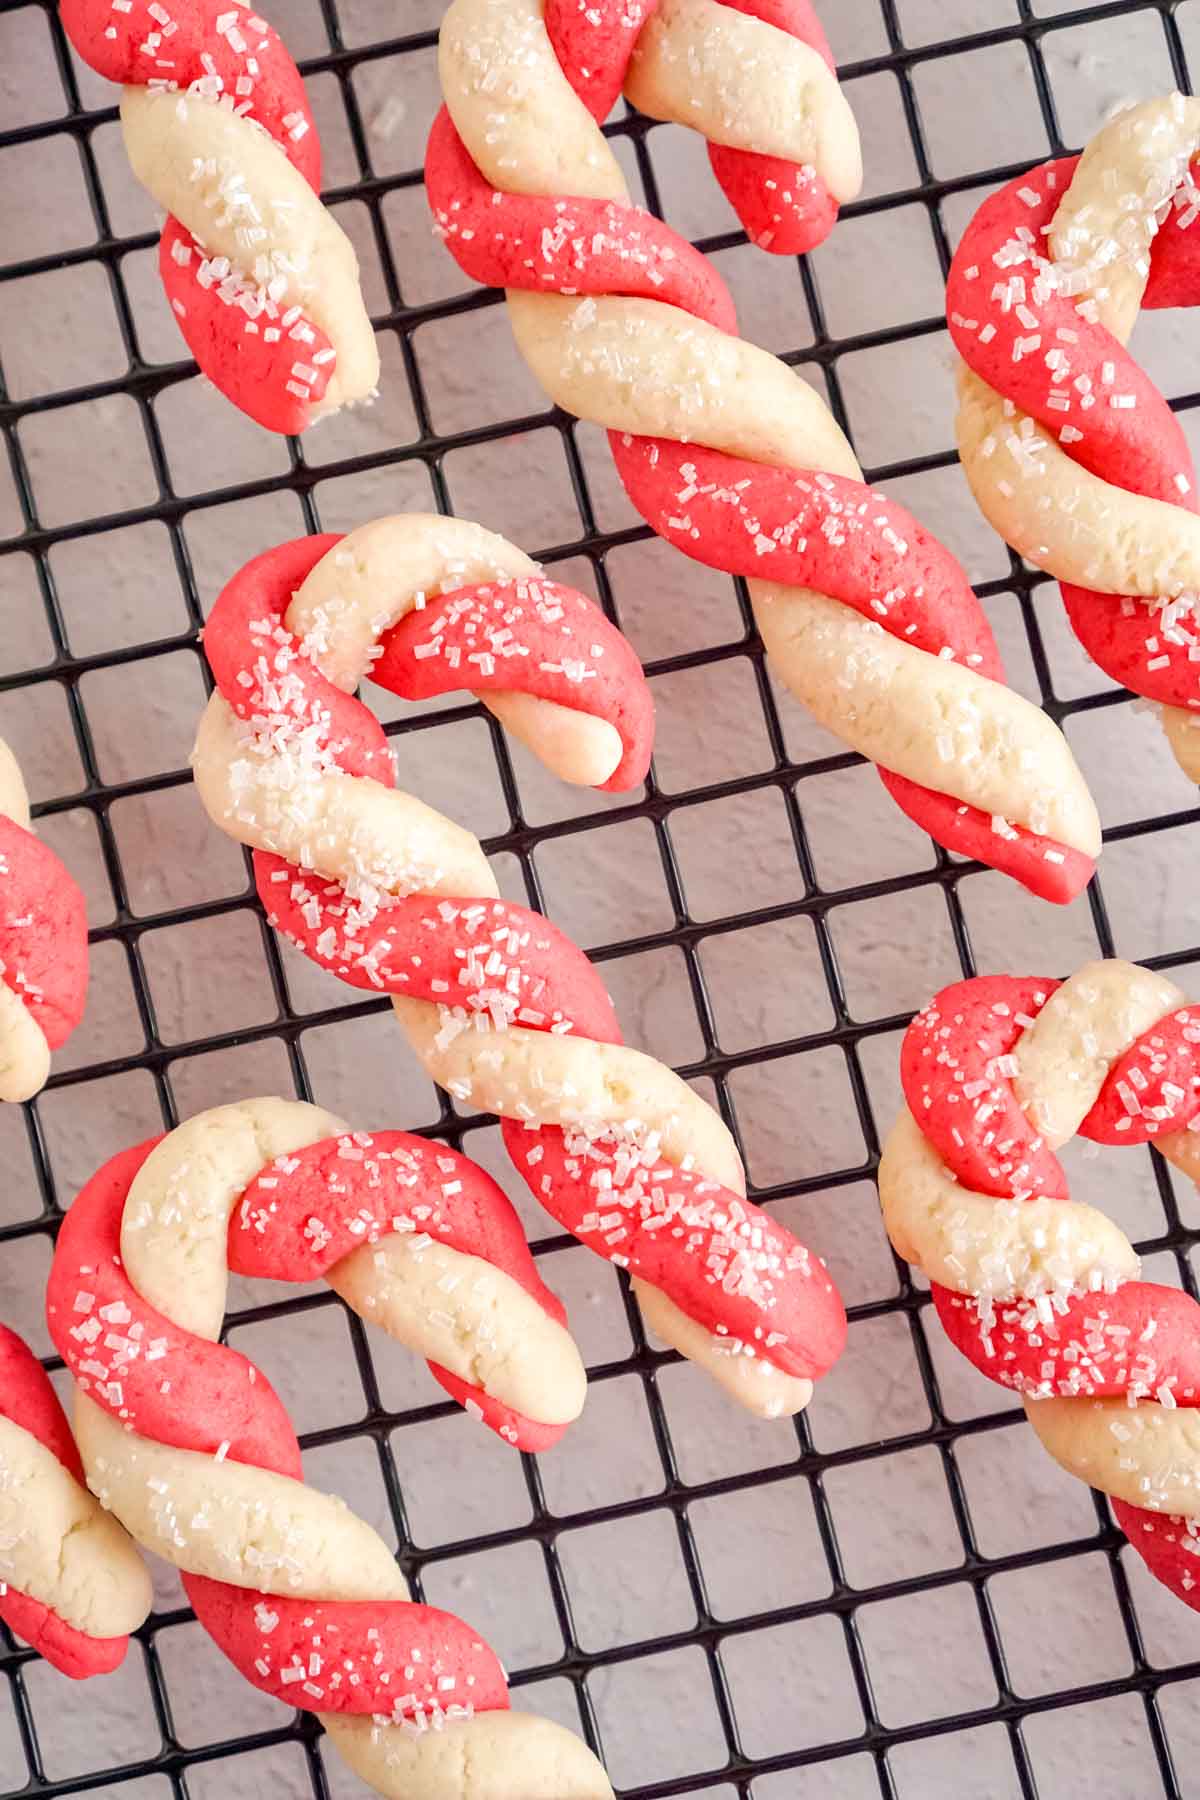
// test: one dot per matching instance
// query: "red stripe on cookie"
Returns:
(396, 1657)
(726, 1263)
(1154, 1088)
(71, 1652)
(956, 1068)
(263, 673)
(1169, 1547)
(43, 933)
(534, 635)
(571, 244)
(1143, 1340)
(269, 359)
(135, 1362)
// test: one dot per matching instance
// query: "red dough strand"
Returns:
(1032, 345)
(722, 1260)
(269, 360)
(1141, 1341)
(383, 1657)
(802, 527)
(43, 933)
(28, 1400)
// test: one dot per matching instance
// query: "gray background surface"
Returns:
(792, 1683)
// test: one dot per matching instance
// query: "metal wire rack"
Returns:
(176, 1767)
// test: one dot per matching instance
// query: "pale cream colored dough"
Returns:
(998, 1249)
(263, 1531)
(470, 1317)
(494, 1756)
(185, 149)
(382, 842)
(59, 1547)
(24, 1052)
(1055, 514)
(547, 1079)
(14, 801)
(1148, 1455)
(644, 367)
(1005, 1250)
(231, 1521)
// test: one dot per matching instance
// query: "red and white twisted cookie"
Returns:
(502, 1009)
(71, 1583)
(188, 1444)
(261, 278)
(1041, 1292)
(1073, 454)
(723, 450)
(43, 945)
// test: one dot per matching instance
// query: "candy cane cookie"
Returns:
(262, 280)
(1040, 1292)
(501, 1008)
(43, 945)
(71, 1583)
(725, 451)
(188, 1444)
(1070, 449)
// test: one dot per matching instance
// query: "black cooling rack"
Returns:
(734, 1770)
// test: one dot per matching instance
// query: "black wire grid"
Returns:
(735, 1768)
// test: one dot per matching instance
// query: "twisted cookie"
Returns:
(1070, 449)
(262, 280)
(502, 1009)
(1041, 1293)
(71, 1583)
(189, 1445)
(721, 448)
(43, 945)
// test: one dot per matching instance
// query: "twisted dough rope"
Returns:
(262, 280)
(722, 449)
(418, 1240)
(757, 77)
(1040, 1293)
(501, 1008)
(43, 945)
(1070, 449)
(188, 1444)
(71, 1583)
